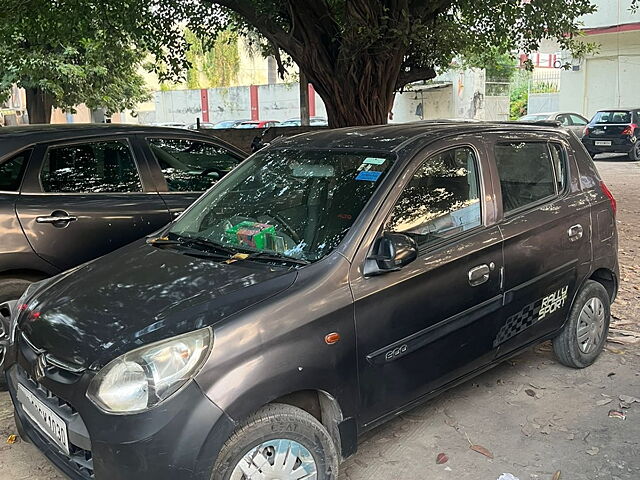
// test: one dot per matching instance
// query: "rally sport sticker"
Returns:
(531, 314)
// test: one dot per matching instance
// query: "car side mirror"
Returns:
(390, 253)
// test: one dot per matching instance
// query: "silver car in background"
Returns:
(572, 121)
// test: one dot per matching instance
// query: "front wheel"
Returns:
(583, 337)
(634, 153)
(12, 288)
(278, 442)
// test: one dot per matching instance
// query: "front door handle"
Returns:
(575, 232)
(58, 218)
(480, 274)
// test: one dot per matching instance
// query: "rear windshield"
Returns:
(612, 116)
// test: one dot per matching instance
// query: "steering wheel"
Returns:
(285, 226)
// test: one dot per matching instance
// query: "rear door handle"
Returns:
(480, 274)
(575, 232)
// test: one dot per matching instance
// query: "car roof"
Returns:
(619, 109)
(17, 137)
(394, 137)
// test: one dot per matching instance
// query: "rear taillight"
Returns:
(586, 131)
(612, 200)
(629, 129)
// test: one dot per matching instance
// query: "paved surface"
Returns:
(563, 426)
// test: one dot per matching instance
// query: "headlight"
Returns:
(145, 377)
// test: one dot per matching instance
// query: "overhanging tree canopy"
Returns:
(357, 53)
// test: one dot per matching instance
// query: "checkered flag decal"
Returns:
(518, 322)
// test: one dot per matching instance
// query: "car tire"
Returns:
(584, 334)
(278, 428)
(12, 288)
(634, 153)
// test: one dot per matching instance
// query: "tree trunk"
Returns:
(359, 93)
(39, 104)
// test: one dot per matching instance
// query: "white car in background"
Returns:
(572, 121)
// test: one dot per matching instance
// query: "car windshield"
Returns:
(613, 116)
(289, 202)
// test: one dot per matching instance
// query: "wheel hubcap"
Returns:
(591, 324)
(278, 459)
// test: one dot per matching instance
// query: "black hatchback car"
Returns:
(330, 282)
(71, 193)
(614, 131)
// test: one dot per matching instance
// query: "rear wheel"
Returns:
(585, 333)
(278, 442)
(634, 153)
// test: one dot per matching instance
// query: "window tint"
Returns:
(191, 166)
(578, 120)
(442, 198)
(97, 167)
(12, 171)
(526, 173)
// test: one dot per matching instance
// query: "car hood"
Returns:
(138, 295)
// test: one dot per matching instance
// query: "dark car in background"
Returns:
(328, 284)
(615, 130)
(71, 193)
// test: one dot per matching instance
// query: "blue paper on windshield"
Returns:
(369, 176)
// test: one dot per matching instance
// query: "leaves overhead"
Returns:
(357, 53)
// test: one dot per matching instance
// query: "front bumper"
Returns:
(179, 439)
(618, 145)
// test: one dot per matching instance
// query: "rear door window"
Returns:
(191, 165)
(527, 174)
(93, 167)
(12, 171)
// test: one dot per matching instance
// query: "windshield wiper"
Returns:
(268, 256)
(210, 244)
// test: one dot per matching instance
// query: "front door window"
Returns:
(442, 199)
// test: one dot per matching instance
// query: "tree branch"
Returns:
(414, 74)
(277, 35)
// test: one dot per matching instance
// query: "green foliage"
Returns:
(69, 53)
(355, 52)
(519, 96)
(214, 66)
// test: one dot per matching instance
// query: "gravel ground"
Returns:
(534, 416)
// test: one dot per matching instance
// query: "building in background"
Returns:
(610, 78)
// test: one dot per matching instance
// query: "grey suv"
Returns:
(70, 193)
(329, 283)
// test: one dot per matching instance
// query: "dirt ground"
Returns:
(534, 416)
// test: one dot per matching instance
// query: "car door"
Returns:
(84, 198)
(546, 229)
(434, 320)
(186, 167)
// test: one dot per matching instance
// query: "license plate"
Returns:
(603, 143)
(48, 422)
